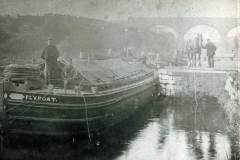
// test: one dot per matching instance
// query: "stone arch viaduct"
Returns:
(181, 26)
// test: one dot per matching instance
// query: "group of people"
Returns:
(56, 70)
(194, 51)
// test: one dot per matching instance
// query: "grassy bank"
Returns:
(231, 105)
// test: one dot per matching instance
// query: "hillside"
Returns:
(23, 37)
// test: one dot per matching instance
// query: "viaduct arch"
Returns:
(222, 31)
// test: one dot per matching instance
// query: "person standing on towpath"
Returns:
(211, 49)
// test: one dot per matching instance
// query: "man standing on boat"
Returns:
(50, 55)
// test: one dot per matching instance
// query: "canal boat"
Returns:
(107, 92)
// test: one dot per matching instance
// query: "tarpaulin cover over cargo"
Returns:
(108, 71)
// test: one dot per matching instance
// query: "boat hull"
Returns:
(72, 115)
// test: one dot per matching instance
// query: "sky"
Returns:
(122, 9)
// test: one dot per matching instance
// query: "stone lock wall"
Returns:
(180, 82)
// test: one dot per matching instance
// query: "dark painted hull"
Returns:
(71, 115)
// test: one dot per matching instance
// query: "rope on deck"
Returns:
(86, 115)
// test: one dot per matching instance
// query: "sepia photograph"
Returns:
(119, 80)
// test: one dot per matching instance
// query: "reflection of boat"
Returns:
(110, 91)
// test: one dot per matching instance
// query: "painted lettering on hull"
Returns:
(40, 98)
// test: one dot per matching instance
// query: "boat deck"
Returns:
(73, 92)
(59, 91)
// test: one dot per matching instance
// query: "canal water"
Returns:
(167, 129)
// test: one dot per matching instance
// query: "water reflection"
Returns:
(179, 134)
(167, 130)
